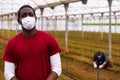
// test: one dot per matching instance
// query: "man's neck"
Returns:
(29, 33)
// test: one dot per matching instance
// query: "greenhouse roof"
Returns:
(75, 6)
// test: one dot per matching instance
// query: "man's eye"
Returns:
(31, 14)
(23, 15)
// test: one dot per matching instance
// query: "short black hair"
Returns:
(24, 7)
(99, 53)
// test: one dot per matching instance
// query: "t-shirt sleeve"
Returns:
(8, 53)
(53, 45)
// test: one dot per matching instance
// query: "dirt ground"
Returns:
(86, 72)
(82, 72)
(1, 76)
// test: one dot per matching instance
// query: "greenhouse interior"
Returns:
(80, 28)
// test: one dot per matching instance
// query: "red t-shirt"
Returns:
(31, 55)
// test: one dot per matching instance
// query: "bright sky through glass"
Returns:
(9, 6)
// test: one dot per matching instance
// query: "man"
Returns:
(32, 54)
(100, 60)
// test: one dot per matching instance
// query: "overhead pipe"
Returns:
(69, 14)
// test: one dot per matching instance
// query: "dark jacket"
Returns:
(100, 60)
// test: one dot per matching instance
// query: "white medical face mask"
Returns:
(99, 56)
(28, 22)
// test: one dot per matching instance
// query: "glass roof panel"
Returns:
(39, 2)
(52, 1)
(10, 6)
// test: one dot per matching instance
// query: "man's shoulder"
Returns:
(15, 37)
(103, 53)
(46, 34)
(42, 32)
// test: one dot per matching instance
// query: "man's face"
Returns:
(26, 12)
(99, 56)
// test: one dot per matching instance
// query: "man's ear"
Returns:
(19, 21)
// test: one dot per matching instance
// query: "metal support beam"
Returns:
(110, 35)
(41, 9)
(66, 5)
(1, 32)
(2, 26)
(84, 1)
(52, 7)
(54, 21)
(9, 18)
(102, 14)
(93, 18)
(9, 24)
(55, 25)
(82, 25)
(115, 21)
(16, 24)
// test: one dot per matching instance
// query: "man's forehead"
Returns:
(26, 10)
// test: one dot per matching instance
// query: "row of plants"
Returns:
(90, 45)
(82, 47)
(84, 71)
(4, 37)
(80, 50)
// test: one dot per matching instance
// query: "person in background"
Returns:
(100, 60)
(32, 54)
